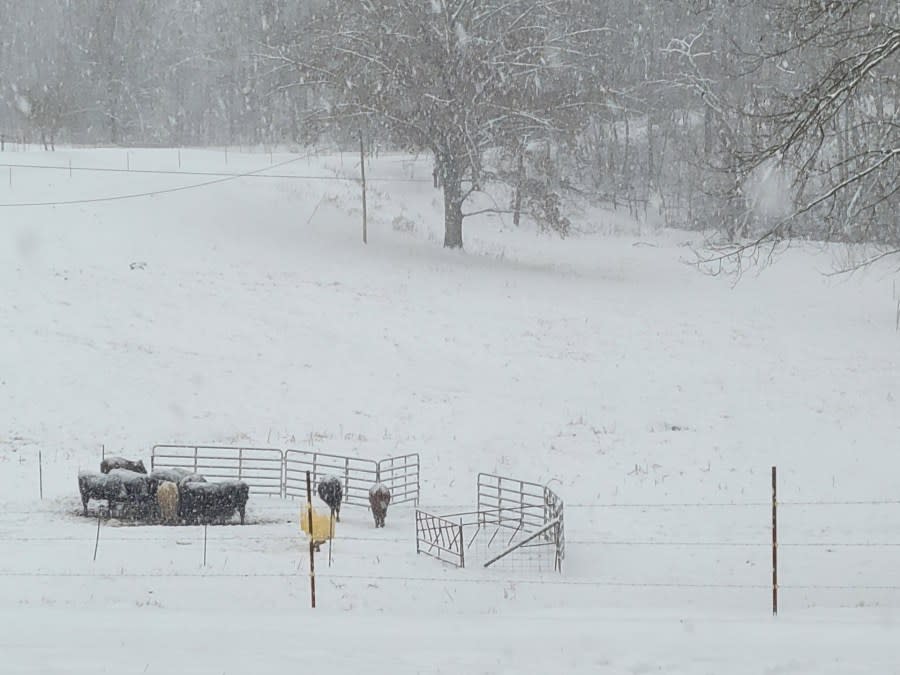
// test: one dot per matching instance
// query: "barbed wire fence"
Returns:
(588, 545)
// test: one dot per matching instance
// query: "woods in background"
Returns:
(762, 119)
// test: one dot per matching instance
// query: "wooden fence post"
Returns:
(331, 537)
(520, 184)
(97, 540)
(312, 555)
(774, 544)
(41, 475)
(362, 169)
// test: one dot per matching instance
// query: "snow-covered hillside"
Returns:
(248, 311)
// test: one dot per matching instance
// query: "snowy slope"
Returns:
(255, 315)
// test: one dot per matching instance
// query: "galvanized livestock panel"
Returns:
(440, 538)
(548, 535)
(356, 475)
(556, 512)
(401, 476)
(261, 468)
(513, 503)
(525, 507)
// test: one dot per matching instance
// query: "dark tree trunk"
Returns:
(452, 218)
(451, 180)
(520, 180)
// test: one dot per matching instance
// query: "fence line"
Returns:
(444, 538)
(217, 174)
(870, 502)
(365, 577)
(448, 580)
(666, 505)
(466, 508)
(601, 505)
(577, 542)
(113, 198)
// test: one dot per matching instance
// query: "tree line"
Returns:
(764, 120)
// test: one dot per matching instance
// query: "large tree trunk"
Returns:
(451, 177)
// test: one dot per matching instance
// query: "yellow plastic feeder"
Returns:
(323, 524)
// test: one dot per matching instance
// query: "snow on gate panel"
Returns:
(260, 468)
(517, 524)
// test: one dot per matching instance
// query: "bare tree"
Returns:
(826, 124)
(451, 76)
(44, 107)
(708, 113)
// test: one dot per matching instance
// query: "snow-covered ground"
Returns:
(248, 311)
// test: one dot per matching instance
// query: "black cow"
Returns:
(379, 498)
(137, 491)
(207, 502)
(93, 485)
(332, 493)
(173, 475)
(110, 463)
(157, 477)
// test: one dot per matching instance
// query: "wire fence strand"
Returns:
(222, 178)
(447, 580)
(218, 174)
(183, 539)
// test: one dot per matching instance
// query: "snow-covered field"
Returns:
(248, 311)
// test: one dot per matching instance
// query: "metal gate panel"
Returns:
(440, 538)
(356, 475)
(555, 511)
(524, 506)
(509, 502)
(401, 476)
(261, 468)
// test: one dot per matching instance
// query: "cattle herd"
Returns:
(173, 496)
(170, 496)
